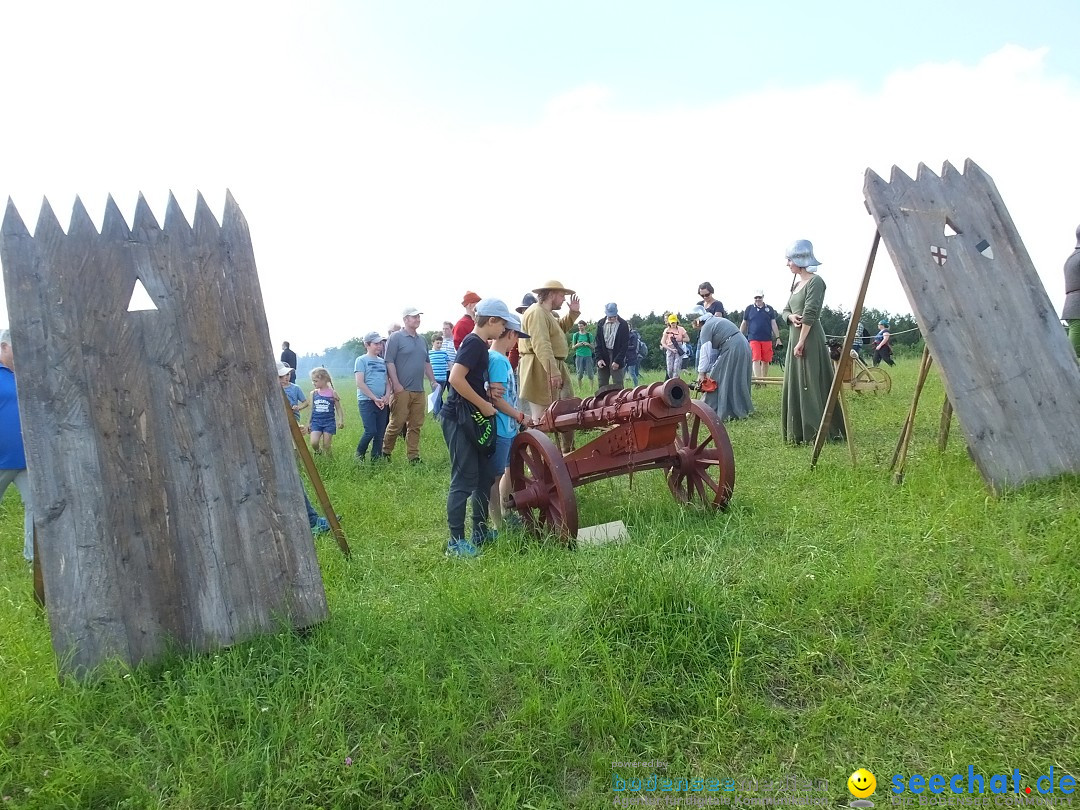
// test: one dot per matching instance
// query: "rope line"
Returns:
(894, 334)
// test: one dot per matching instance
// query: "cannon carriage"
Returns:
(653, 427)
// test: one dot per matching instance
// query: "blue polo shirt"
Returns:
(759, 322)
(12, 455)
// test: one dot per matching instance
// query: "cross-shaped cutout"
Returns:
(940, 254)
(985, 249)
(140, 299)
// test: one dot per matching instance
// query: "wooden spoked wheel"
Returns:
(704, 471)
(872, 379)
(541, 490)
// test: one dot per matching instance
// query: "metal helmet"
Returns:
(801, 254)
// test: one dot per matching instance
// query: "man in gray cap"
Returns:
(612, 338)
(371, 396)
(407, 364)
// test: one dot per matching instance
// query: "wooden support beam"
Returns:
(39, 580)
(900, 455)
(944, 425)
(847, 428)
(849, 341)
(316, 481)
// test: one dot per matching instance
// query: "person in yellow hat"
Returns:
(675, 343)
(544, 374)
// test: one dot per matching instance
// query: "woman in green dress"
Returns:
(808, 369)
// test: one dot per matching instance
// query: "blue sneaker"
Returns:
(490, 536)
(461, 548)
(321, 527)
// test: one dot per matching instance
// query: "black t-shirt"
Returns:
(716, 308)
(473, 354)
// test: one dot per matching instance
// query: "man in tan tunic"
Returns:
(544, 374)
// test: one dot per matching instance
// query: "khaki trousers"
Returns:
(406, 407)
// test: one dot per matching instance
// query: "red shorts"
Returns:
(761, 350)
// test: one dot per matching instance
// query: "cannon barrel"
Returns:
(660, 401)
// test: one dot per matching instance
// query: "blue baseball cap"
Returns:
(494, 307)
(514, 322)
(497, 308)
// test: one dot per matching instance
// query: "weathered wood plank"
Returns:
(1011, 380)
(171, 507)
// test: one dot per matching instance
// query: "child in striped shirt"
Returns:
(440, 367)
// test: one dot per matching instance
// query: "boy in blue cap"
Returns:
(470, 467)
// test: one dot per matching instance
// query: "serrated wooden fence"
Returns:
(1009, 371)
(169, 510)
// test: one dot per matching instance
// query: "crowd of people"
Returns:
(496, 369)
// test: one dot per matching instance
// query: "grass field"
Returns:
(829, 620)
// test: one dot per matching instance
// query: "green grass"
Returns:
(829, 620)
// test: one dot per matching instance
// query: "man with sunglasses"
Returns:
(759, 326)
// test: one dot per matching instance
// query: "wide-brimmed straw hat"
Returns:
(556, 286)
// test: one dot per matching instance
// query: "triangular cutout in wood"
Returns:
(950, 228)
(140, 299)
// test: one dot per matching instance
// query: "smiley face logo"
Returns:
(861, 783)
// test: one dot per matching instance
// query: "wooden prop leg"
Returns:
(847, 427)
(845, 350)
(944, 425)
(39, 580)
(316, 481)
(900, 455)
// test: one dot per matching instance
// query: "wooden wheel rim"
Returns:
(705, 468)
(878, 377)
(539, 478)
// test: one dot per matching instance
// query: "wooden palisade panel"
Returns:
(1009, 371)
(169, 506)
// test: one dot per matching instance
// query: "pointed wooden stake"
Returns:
(113, 226)
(81, 224)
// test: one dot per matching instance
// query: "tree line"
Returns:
(906, 337)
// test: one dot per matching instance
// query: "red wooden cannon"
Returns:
(654, 427)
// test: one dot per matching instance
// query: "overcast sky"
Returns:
(400, 153)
